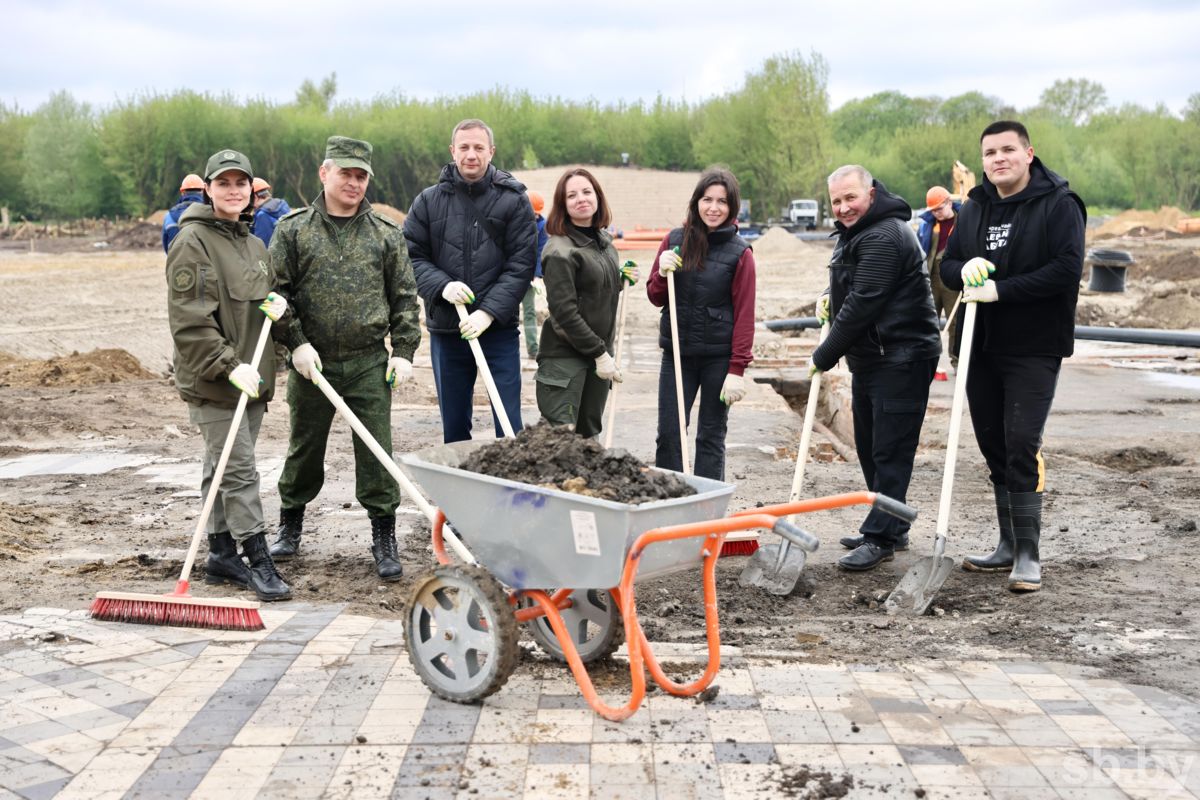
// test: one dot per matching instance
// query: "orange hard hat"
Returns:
(537, 201)
(191, 183)
(259, 184)
(936, 196)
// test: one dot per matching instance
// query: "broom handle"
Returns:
(810, 416)
(214, 486)
(482, 365)
(390, 465)
(960, 391)
(612, 395)
(683, 439)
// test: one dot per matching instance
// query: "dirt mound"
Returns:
(1136, 459)
(98, 366)
(394, 214)
(1141, 223)
(157, 217)
(777, 244)
(1174, 310)
(1181, 265)
(22, 530)
(139, 236)
(554, 457)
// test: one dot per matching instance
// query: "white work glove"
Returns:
(399, 370)
(474, 325)
(976, 271)
(629, 272)
(981, 294)
(458, 293)
(246, 379)
(823, 308)
(274, 307)
(306, 361)
(668, 261)
(813, 369)
(733, 389)
(538, 286)
(606, 368)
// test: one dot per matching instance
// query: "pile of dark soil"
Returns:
(1180, 265)
(98, 366)
(138, 236)
(555, 457)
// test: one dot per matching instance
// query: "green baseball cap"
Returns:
(349, 153)
(225, 160)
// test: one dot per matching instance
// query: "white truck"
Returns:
(804, 212)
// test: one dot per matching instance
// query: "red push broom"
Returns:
(179, 608)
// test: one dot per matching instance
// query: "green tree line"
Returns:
(777, 132)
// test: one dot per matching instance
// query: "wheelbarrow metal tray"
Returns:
(531, 537)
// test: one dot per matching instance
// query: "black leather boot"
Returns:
(224, 565)
(866, 556)
(1026, 575)
(1002, 557)
(265, 580)
(287, 540)
(855, 542)
(383, 548)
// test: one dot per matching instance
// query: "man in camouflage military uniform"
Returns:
(346, 272)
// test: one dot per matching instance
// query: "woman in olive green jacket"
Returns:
(219, 287)
(583, 282)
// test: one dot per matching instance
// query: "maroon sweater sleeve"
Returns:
(743, 288)
(656, 285)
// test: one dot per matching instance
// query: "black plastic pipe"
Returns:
(1126, 335)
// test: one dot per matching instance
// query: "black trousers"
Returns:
(703, 375)
(1010, 398)
(889, 410)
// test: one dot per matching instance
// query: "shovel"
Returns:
(916, 589)
(777, 567)
(493, 393)
(612, 395)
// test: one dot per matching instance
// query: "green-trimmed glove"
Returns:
(246, 379)
(976, 271)
(629, 272)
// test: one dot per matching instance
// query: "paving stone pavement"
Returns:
(324, 704)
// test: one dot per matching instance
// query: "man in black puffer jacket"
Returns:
(1018, 247)
(473, 242)
(882, 320)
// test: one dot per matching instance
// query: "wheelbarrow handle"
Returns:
(894, 507)
(796, 535)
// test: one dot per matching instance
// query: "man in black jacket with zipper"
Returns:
(473, 242)
(1018, 248)
(880, 308)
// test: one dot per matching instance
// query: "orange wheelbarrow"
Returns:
(461, 621)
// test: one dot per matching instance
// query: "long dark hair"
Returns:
(695, 232)
(556, 223)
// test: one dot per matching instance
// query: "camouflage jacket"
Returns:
(348, 287)
(217, 275)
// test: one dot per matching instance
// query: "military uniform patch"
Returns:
(183, 279)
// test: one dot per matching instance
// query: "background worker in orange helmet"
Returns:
(268, 211)
(191, 190)
(937, 221)
(528, 307)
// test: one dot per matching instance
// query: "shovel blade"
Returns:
(773, 568)
(917, 588)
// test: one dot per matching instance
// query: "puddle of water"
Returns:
(68, 464)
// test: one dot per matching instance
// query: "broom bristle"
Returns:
(739, 547)
(178, 611)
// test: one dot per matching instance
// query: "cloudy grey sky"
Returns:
(1141, 51)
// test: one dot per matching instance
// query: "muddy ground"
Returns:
(1121, 516)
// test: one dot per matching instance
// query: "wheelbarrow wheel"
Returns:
(594, 623)
(461, 633)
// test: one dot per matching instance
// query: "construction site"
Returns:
(1087, 688)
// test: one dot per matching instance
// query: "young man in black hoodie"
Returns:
(881, 309)
(1018, 248)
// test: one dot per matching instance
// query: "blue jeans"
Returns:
(705, 375)
(454, 375)
(889, 410)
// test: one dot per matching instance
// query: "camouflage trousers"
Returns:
(237, 508)
(361, 383)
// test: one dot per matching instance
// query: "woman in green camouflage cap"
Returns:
(219, 286)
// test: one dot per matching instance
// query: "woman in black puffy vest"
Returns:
(714, 293)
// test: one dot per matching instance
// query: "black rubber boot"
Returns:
(224, 565)
(1002, 557)
(854, 542)
(287, 540)
(265, 580)
(1026, 575)
(383, 548)
(866, 556)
